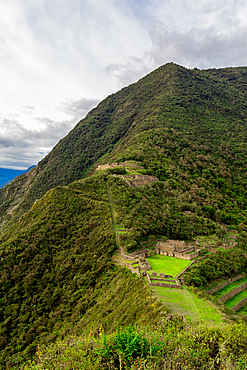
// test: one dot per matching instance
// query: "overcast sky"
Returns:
(59, 58)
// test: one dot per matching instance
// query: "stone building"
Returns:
(177, 248)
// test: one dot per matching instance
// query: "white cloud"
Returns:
(25, 146)
(206, 34)
(79, 108)
(53, 53)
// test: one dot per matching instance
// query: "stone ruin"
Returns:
(106, 166)
(177, 248)
(143, 262)
(134, 180)
(162, 275)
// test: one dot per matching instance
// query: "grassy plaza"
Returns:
(168, 265)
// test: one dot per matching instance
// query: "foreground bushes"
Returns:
(171, 344)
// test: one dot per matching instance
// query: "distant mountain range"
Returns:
(7, 175)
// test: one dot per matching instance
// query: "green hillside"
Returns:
(187, 127)
(55, 266)
(60, 221)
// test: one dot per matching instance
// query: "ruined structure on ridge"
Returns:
(177, 248)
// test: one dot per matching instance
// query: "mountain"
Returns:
(183, 125)
(164, 157)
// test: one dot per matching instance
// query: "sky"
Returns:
(59, 58)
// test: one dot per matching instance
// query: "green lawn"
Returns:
(230, 287)
(184, 302)
(168, 265)
(234, 300)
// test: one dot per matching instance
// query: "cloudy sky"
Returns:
(59, 58)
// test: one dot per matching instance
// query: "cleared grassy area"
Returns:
(234, 300)
(230, 287)
(168, 265)
(184, 302)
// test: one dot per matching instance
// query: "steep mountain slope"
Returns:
(177, 122)
(188, 128)
(56, 265)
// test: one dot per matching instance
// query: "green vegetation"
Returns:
(62, 250)
(170, 344)
(185, 302)
(225, 263)
(187, 127)
(168, 265)
(243, 310)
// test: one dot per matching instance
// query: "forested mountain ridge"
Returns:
(173, 120)
(186, 127)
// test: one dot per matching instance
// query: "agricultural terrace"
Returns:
(236, 299)
(243, 310)
(168, 265)
(220, 293)
(230, 303)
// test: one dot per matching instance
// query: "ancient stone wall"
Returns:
(225, 283)
(135, 270)
(143, 180)
(129, 258)
(187, 250)
(239, 304)
(175, 286)
(106, 166)
(231, 294)
(185, 256)
(177, 249)
(168, 280)
(143, 262)
(165, 285)
(204, 257)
